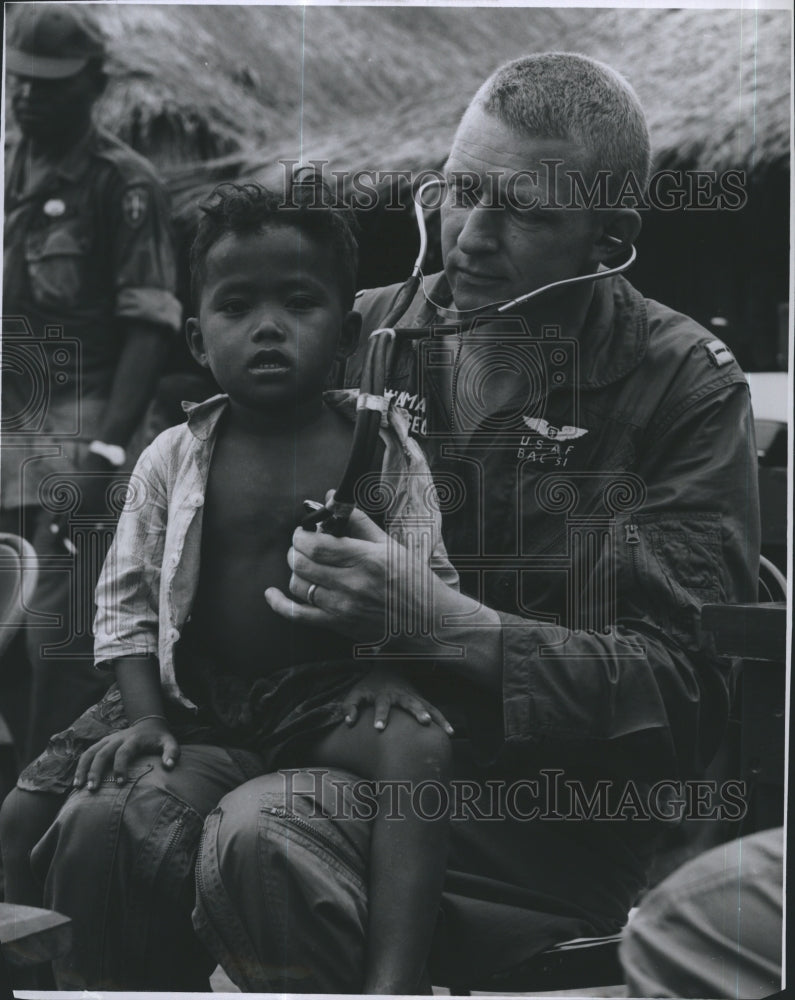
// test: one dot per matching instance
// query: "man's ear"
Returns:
(195, 337)
(617, 232)
(349, 336)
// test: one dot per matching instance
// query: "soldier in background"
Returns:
(88, 313)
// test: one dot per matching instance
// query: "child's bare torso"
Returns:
(255, 491)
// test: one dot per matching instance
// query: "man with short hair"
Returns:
(595, 463)
(88, 311)
(603, 453)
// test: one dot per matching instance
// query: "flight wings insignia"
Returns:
(565, 433)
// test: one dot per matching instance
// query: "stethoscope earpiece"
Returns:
(500, 307)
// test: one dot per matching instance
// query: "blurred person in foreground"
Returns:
(590, 692)
(88, 313)
(713, 928)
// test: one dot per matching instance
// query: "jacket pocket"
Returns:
(56, 261)
(674, 563)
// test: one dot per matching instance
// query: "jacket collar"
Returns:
(612, 342)
(615, 335)
(70, 167)
(75, 163)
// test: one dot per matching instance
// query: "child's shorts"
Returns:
(279, 717)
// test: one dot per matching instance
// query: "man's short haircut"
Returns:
(564, 95)
(307, 205)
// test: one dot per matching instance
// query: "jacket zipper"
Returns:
(176, 829)
(632, 538)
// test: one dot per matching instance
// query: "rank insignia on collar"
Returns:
(565, 433)
(718, 353)
(54, 208)
(134, 205)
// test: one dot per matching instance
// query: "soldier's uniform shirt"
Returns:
(86, 246)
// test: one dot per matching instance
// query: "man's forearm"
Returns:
(134, 382)
(462, 621)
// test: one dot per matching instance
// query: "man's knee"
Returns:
(87, 826)
(201, 776)
(270, 813)
(281, 884)
(116, 824)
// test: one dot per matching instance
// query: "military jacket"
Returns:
(596, 511)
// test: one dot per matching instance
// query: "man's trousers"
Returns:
(281, 881)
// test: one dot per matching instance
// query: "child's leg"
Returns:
(408, 854)
(24, 819)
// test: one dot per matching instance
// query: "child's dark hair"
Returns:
(308, 205)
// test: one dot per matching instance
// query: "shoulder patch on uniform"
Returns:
(718, 353)
(135, 205)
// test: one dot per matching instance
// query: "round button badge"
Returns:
(54, 208)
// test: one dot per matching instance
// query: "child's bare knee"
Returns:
(411, 750)
(24, 819)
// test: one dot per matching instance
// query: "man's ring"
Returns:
(310, 594)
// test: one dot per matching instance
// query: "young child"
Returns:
(198, 654)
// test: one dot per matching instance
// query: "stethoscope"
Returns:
(417, 278)
(372, 403)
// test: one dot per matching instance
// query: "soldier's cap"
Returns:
(52, 41)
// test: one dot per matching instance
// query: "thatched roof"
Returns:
(383, 87)
(715, 83)
(217, 79)
(715, 86)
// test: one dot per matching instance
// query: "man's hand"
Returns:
(117, 751)
(384, 689)
(366, 585)
(358, 579)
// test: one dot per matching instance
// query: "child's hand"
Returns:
(117, 751)
(383, 689)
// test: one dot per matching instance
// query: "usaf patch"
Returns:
(134, 206)
(718, 353)
(565, 433)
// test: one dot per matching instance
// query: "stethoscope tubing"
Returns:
(333, 517)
